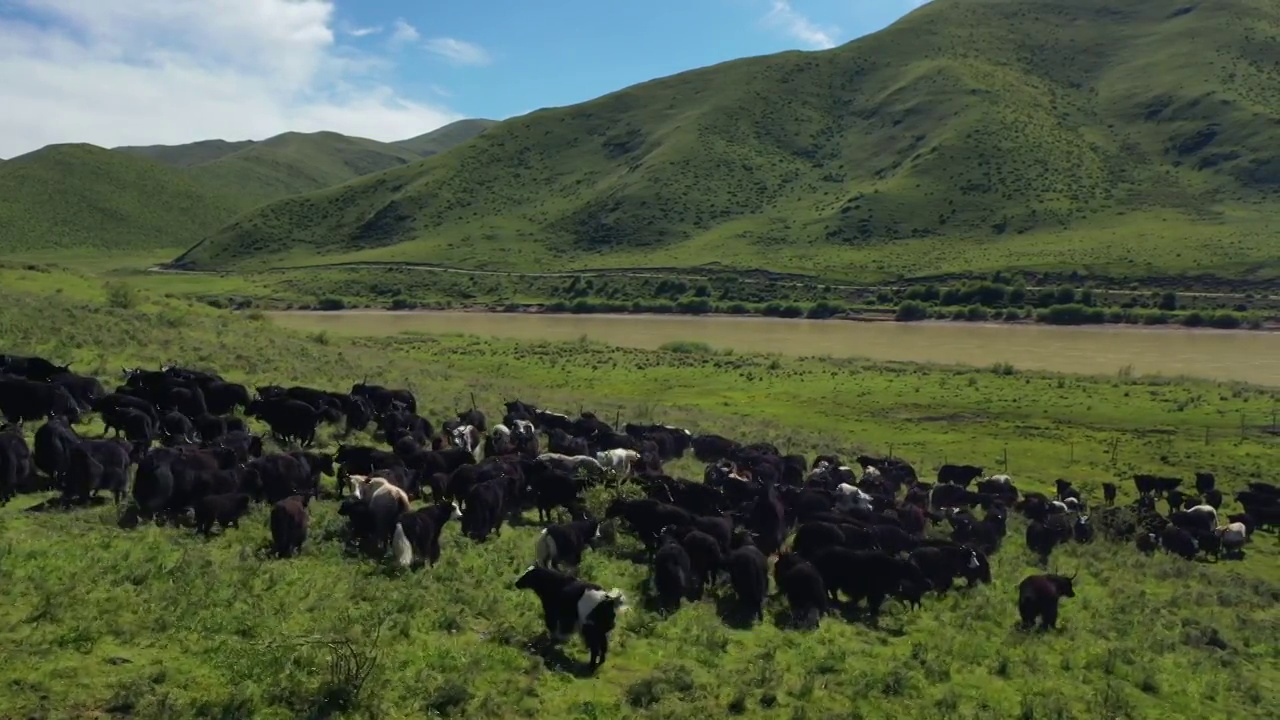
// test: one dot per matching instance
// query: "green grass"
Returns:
(968, 137)
(156, 622)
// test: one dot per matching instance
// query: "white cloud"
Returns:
(402, 32)
(140, 72)
(458, 52)
(785, 17)
(363, 31)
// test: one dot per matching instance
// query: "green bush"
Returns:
(911, 310)
(1225, 321)
(121, 296)
(1071, 314)
(331, 303)
(687, 347)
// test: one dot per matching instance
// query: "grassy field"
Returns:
(970, 136)
(158, 623)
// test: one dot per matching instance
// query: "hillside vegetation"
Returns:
(83, 197)
(295, 163)
(444, 138)
(158, 622)
(129, 201)
(188, 154)
(1135, 137)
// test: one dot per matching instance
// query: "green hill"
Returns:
(1132, 137)
(189, 154)
(295, 163)
(444, 138)
(64, 197)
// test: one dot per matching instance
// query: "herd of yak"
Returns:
(859, 531)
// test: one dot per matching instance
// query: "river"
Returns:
(1249, 356)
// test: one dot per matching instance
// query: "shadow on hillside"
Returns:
(736, 614)
(556, 660)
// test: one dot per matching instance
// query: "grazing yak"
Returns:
(564, 544)
(417, 534)
(289, 520)
(1038, 597)
(570, 604)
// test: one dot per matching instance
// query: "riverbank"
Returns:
(1226, 355)
(870, 316)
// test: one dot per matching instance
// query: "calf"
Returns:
(672, 572)
(289, 520)
(870, 575)
(749, 575)
(417, 533)
(803, 585)
(1038, 596)
(1233, 537)
(225, 510)
(569, 604)
(618, 461)
(15, 464)
(565, 544)
(960, 475)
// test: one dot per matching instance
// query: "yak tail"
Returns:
(401, 547)
(544, 551)
(622, 605)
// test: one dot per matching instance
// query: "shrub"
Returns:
(911, 310)
(1226, 321)
(1072, 314)
(1192, 319)
(331, 303)
(687, 347)
(822, 310)
(121, 296)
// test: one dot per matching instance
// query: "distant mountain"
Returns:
(187, 155)
(970, 135)
(67, 197)
(295, 163)
(447, 137)
(292, 163)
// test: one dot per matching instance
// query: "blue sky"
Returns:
(116, 72)
(559, 52)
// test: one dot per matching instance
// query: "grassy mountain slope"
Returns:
(296, 163)
(84, 197)
(444, 138)
(189, 154)
(1137, 136)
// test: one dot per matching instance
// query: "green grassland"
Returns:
(158, 623)
(970, 136)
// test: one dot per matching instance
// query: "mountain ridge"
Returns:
(966, 123)
(147, 198)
